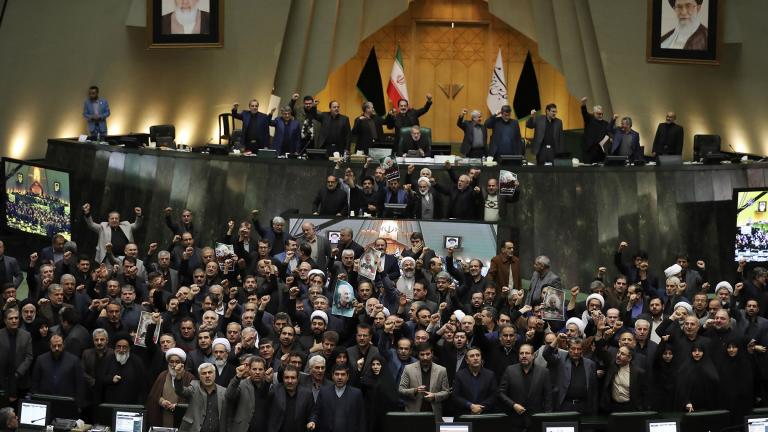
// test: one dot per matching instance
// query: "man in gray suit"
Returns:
(16, 358)
(424, 384)
(321, 247)
(247, 395)
(207, 404)
(518, 402)
(547, 134)
(542, 276)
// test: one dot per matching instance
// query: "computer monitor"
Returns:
(128, 420)
(560, 427)
(664, 425)
(33, 414)
(756, 423)
(454, 427)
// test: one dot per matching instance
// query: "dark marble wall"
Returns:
(576, 216)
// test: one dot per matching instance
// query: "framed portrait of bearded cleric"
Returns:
(684, 31)
(185, 23)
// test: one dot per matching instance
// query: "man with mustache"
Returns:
(58, 372)
(123, 375)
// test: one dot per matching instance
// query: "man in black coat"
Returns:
(474, 388)
(625, 385)
(60, 373)
(335, 134)
(464, 200)
(475, 134)
(122, 377)
(330, 200)
(669, 137)
(368, 129)
(525, 389)
(405, 117)
(291, 407)
(597, 132)
(339, 407)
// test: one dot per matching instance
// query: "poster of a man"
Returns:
(186, 17)
(687, 19)
(342, 299)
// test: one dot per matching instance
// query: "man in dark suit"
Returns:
(16, 358)
(474, 388)
(335, 134)
(597, 132)
(542, 276)
(321, 247)
(339, 407)
(506, 138)
(291, 407)
(368, 129)
(525, 389)
(58, 372)
(247, 395)
(669, 137)
(388, 264)
(547, 134)
(255, 126)
(626, 141)
(346, 241)
(405, 117)
(363, 349)
(10, 272)
(287, 138)
(475, 134)
(575, 376)
(625, 385)
(417, 142)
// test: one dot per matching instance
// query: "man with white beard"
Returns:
(224, 371)
(407, 278)
(690, 33)
(162, 399)
(186, 18)
(122, 378)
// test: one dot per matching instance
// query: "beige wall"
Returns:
(51, 51)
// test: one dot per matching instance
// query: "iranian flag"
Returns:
(396, 89)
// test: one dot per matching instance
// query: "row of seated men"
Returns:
(297, 130)
(262, 338)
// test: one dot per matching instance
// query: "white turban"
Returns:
(598, 297)
(407, 259)
(579, 323)
(178, 352)
(224, 342)
(319, 314)
(459, 314)
(684, 305)
(673, 270)
(314, 272)
(423, 179)
(724, 284)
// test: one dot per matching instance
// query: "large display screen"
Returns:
(751, 225)
(470, 240)
(37, 199)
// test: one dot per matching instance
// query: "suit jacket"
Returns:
(463, 391)
(438, 384)
(287, 136)
(12, 270)
(499, 271)
(499, 148)
(326, 120)
(99, 126)
(21, 362)
(538, 282)
(262, 128)
(468, 127)
(323, 251)
(64, 379)
(668, 139)
(105, 234)
(351, 403)
(241, 398)
(410, 118)
(560, 364)
(539, 125)
(198, 400)
(366, 137)
(638, 387)
(305, 404)
(634, 153)
(539, 397)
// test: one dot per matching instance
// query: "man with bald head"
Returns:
(321, 247)
(330, 200)
(669, 137)
(475, 134)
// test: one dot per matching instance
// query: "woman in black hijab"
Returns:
(698, 382)
(380, 392)
(737, 379)
(662, 389)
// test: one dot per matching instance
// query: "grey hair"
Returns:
(99, 331)
(628, 120)
(543, 260)
(204, 366)
(247, 330)
(347, 252)
(315, 360)
(597, 108)
(475, 113)
(68, 277)
(444, 275)
(278, 219)
(163, 254)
